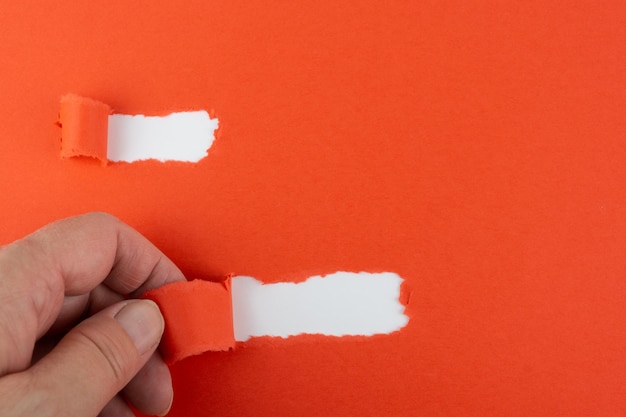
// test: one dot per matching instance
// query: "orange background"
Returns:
(478, 149)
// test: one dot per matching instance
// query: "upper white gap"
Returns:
(184, 136)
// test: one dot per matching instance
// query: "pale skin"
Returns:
(74, 340)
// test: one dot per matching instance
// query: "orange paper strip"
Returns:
(198, 317)
(84, 127)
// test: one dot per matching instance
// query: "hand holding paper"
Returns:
(88, 266)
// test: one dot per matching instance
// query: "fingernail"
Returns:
(143, 322)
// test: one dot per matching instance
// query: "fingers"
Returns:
(96, 247)
(70, 257)
(78, 307)
(71, 311)
(150, 391)
(58, 273)
(117, 407)
(95, 360)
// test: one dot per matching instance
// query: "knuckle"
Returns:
(107, 352)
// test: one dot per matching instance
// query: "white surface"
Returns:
(184, 136)
(340, 304)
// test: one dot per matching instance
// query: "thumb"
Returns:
(97, 358)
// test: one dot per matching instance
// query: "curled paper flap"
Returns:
(198, 317)
(84, 127)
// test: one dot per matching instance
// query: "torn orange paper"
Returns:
(475, 148)
(84, 127)
(185, 307)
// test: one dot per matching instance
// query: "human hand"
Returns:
(85, 268)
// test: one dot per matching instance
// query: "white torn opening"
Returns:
(184, 136)
(339, 304)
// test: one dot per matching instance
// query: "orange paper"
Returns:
(186, 308)
(476, 148)
(84, 126)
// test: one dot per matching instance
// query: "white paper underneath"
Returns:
(184, 136)
(339, 304)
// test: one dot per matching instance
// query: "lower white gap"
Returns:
(184, 136)
(339, 304)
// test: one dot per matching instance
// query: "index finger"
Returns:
(69, 257)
